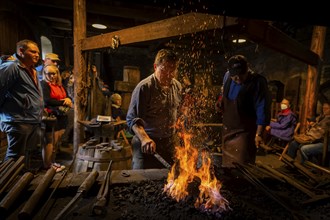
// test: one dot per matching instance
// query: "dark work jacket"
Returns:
(253, 89)
(240, 120)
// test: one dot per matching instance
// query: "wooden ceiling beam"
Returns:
(257, 31)
(172, 27)
(269, 36)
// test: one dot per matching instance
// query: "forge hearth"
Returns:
(146, 200)
(138, 194)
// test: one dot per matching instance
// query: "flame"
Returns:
(185, 170)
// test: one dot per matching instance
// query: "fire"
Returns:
(185, 170)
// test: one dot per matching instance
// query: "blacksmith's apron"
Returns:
(239, 135)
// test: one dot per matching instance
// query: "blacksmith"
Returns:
(152, 113)
(246, 112)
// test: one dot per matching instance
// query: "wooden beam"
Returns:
(176, 26)
(269, 36)
(312, 80)
(258, 31)
(79, 71)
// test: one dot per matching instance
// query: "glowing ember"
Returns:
(184, 172)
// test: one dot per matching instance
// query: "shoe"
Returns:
(58, 167)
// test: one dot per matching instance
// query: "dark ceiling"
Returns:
(121, 14)
(127, 13)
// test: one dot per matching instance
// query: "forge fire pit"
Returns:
(139, 194)
(133, 197)
(146, 200)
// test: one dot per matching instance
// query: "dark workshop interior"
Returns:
(288, 45)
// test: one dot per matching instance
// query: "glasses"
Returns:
(168, 69)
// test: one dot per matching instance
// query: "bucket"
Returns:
(90, 158)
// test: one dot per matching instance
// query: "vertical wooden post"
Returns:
(79, 70)
(310, 100)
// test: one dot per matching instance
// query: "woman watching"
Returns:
(57, 103)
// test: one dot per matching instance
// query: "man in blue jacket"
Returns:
(246, 112)
(21, 102)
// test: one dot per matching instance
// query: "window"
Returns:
(46, 46)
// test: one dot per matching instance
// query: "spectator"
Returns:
(312, 152)
(70, 87)
(65, 75)
(21, 101)
(50, 59)
(314, 134)
(57, 103)
(67, 137)
(116, 111)
(5, 58)
(282, 128)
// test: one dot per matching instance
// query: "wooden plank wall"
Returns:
(11, 31)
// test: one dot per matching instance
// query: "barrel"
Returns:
(94, 158)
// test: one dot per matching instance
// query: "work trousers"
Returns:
(22, 138)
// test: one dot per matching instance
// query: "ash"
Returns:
(146, 200)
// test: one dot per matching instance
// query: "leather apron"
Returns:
(239, 135)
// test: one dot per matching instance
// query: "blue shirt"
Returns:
(259, 98)
(154, 109)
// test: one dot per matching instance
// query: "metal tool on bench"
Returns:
(82, 190)
(103, 194)
(44, 211)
